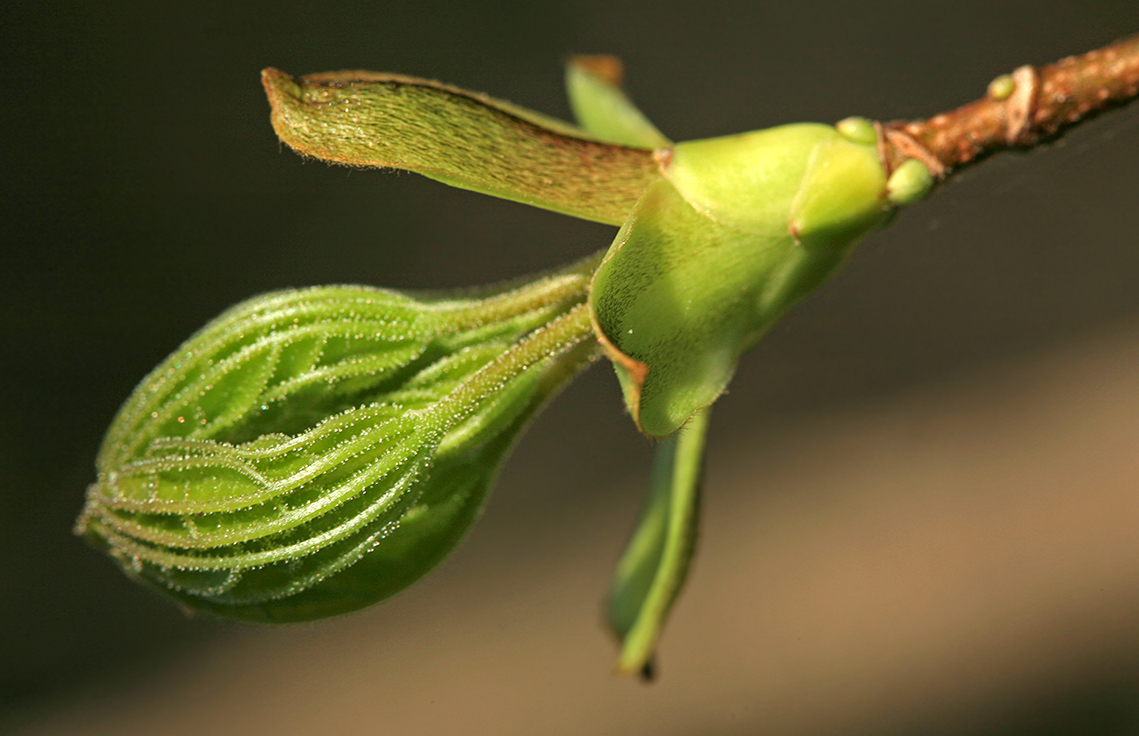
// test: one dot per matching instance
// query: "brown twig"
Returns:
(1019, 110)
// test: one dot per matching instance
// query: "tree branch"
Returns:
(1019, 110)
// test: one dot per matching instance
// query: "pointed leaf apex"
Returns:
(607, 67)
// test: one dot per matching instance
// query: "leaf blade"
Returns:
(655, 563)
(460, 138)
(673, 301)
(600, 106)
(239, 516)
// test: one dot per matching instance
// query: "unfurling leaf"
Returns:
(655, 563)
(593, 84)
(460, 138)
(736, 231)
(311, 452)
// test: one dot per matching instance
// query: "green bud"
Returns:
(738, 230)
(1002, 87)
(311, 452)
(859, 130)
(909, 183)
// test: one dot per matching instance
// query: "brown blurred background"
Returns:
(922, 491)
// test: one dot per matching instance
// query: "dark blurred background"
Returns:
(923, 490)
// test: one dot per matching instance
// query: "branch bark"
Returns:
(1019, 110)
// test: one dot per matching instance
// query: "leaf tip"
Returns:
(284, 93)
(609, 68)
(645, 671)
(278, 84)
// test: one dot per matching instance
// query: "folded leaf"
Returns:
(655, 563)
(463, 139)
(311, 452)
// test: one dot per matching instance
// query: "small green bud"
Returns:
(909, 183)
(1002, 87)
(858, 130)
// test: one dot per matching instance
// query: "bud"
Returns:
(737, 230)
